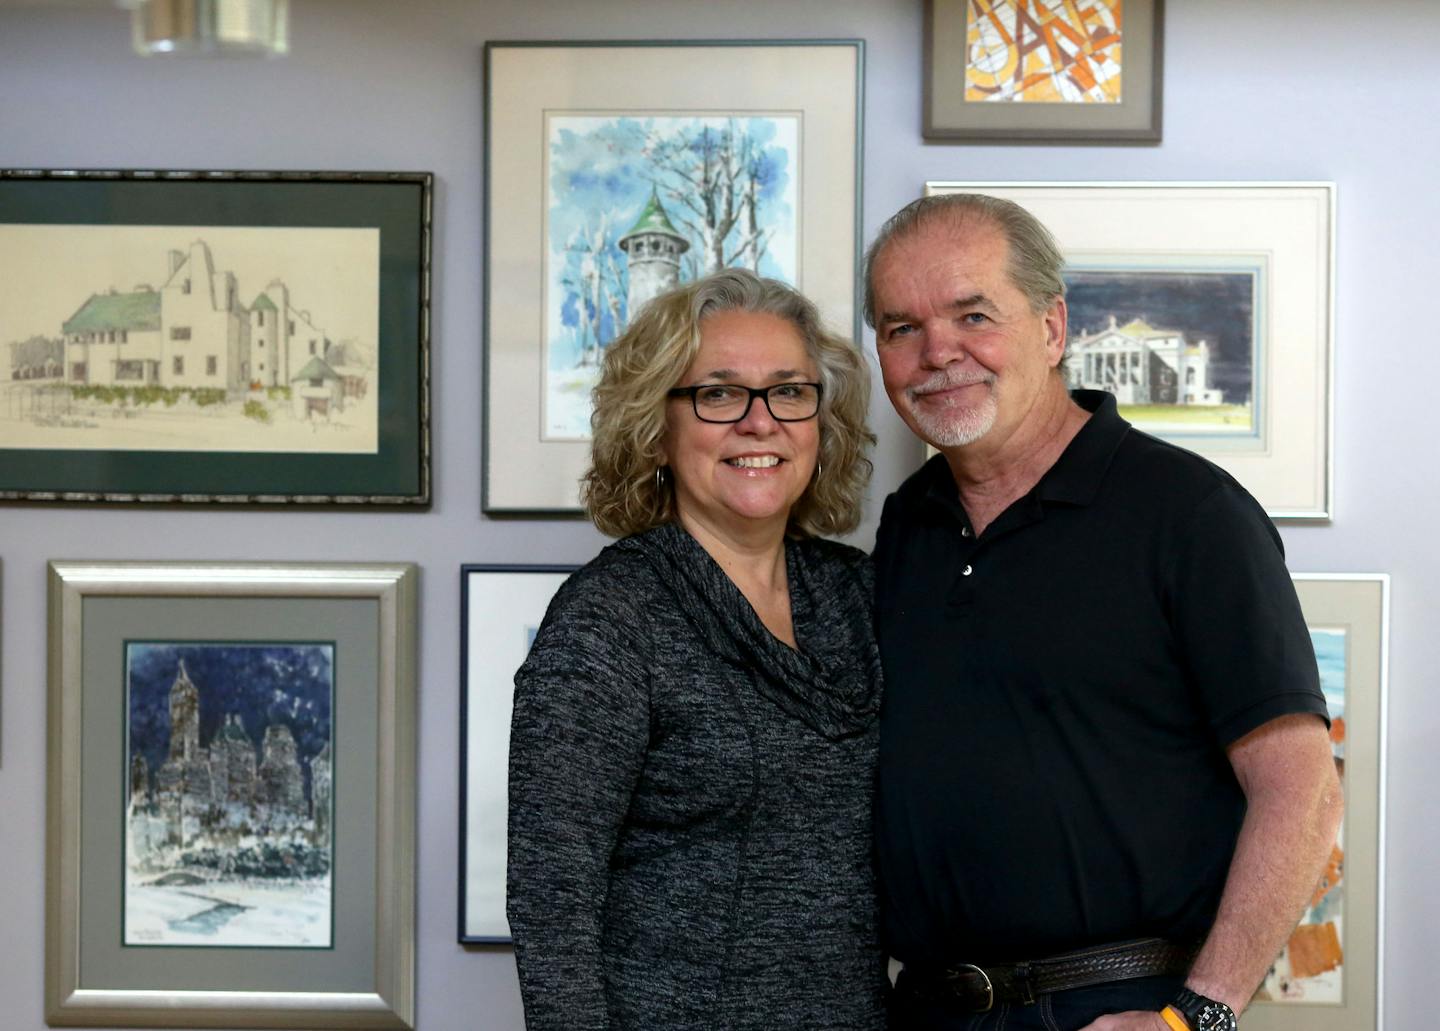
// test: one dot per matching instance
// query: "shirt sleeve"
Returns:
(577, 745)
(1238, 621)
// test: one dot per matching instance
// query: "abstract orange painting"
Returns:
(1044, 51)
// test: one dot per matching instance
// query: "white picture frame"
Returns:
(501, 607)
(1283, 233)
(816, 86)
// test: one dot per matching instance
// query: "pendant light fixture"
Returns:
(259, 27)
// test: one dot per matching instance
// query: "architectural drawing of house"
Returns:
(283, 338)
(1142, 365)
(193, 331)
(352, 363)
(316, 391)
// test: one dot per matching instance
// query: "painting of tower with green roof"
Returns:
(189, 338)
(640, 203)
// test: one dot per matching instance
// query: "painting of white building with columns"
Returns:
(1178, 347)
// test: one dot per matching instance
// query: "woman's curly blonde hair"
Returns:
(621, 490)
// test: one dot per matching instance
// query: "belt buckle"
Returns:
(989, 987)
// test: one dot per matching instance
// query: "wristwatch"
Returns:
(1204, 1014)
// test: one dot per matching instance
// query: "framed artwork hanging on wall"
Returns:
(1206, 309)
(1043, 71)
(230, 814)
(501, 608)
(1330, 975)
(615, 171)
(238, 337)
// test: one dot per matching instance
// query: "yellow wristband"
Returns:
(1175, 1018)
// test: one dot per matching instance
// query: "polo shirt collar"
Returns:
(1076, 474)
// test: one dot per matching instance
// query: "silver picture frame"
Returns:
(366, 977)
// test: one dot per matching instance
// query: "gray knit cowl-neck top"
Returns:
(690, 798)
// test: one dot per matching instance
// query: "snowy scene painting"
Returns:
(640, 203)
(189, 338)
(1311, 967)
(1175, 343)
(229, 794)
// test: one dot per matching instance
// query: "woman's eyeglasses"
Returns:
(730, 402)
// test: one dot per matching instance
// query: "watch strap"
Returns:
(1175, 1019)
(1202, 1013)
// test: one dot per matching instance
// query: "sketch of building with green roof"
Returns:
(316, 391)
(282, 337)
(192, 332)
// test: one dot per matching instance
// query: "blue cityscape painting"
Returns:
(229, 794)
(636, 205)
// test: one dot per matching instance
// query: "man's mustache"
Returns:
(949, 380)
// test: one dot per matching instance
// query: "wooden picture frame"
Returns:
(202, 336)
(1236, 278)
(588, 151)
(997, 71)
(501, 607)
(204, 889)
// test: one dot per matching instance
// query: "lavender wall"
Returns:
(1320, 89)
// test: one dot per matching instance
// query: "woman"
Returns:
(693, 743)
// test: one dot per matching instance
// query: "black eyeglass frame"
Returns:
(761, 392)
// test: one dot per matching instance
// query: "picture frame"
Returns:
(1208, 309)
(588, 173)
(997, 72)
(501, 606)
(204, 888)
(235, 337)
(1330, 977)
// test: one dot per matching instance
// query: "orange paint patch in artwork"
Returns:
(1337, 729)
(1329, 877)
(988, 11)
(1081, 74)
(1315, 949)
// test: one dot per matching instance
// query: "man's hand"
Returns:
(1132, 1020)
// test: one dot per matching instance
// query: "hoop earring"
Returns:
(659, 479)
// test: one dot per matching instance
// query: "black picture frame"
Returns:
(387, 465)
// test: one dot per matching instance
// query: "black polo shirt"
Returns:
(1059, 694)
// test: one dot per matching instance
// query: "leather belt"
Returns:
(978, 988)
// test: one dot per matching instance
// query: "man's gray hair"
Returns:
(1035, 258)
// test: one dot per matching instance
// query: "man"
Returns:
(1106, 783)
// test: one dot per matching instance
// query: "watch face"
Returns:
(1215, 1016)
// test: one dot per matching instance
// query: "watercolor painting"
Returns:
(189, 338)
(1044, 51)
(229, 794)
(640, 203)
(1178, 345)
(1311, 967)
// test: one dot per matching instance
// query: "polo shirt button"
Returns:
(964, 531)
(967, 571)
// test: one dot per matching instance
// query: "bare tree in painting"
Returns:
(713, 180)
(599, 283)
